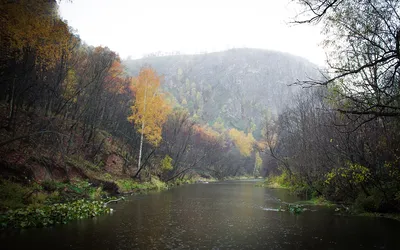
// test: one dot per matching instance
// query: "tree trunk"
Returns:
(140, 148)
(255, 165)
(141, 134)
(12, 105)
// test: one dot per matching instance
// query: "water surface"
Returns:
(224, 215)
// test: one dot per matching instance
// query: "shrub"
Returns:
(12, 195)
(365, 203)
(50, 185)
(107, 176)
(96, 193)
(166, 163)
(127, 185)
(157, 184)
(38, 198)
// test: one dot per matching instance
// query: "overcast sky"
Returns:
(139, 27)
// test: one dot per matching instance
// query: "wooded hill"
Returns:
(237, 87)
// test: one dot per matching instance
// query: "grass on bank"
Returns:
(275, 182)
(317, 201)
(129, 185)
(242, 177)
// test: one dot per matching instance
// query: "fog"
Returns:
(137, 28)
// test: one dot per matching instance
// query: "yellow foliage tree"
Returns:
(151, 109)
(242, 141)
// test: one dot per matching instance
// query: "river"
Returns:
(222, 215)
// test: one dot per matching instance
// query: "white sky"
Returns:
(139, 27)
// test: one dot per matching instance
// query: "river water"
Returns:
(222, 215)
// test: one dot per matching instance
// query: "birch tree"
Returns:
(150, 110)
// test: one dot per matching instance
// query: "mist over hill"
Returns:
(237, 87)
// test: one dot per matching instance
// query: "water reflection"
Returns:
(226, 215)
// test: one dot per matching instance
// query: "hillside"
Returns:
(237, 87)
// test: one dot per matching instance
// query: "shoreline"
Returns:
(54, 202)
(340, 209)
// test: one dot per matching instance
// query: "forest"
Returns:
(73, 114)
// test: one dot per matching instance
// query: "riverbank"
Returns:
(393, 216)
(349, 209)
(41, 204)
(242, 177)
(46, 203)
(272, 183)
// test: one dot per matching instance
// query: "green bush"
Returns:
(38, 198)
(53, 197)
(282, 180)
(50, 185)
(107, 177)
(365, 203)
(129, 185)
(73, 190)
(12, 195)
(155, 183)
(166, 163)
(96, 193)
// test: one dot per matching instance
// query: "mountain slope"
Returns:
(237, 87)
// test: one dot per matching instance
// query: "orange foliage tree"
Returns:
(116, 78)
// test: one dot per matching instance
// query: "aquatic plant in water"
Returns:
(295, 209)
(59, 213)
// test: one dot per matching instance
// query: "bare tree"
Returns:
(363, 39)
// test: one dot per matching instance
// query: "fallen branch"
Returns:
(116, 200)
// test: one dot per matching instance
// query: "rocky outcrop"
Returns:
(114, 164)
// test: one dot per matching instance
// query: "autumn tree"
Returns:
(34, 47)
(242, 141)
(150, 110)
